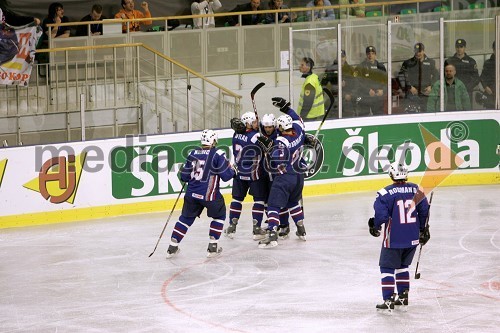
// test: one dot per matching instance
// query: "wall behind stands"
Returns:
(94, 179)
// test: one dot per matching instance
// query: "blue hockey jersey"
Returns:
(247, 155)
(286, 156)
(202, 171)
(403, 208)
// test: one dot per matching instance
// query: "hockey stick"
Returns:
(417, 275)
(168, 219)
(252, 96)
(332, 101)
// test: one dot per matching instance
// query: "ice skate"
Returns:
(213, 250)
(401, 302)
(388, 306)
(270, 241)
(258, 232)
(284, 231)
(231, 230)
(173, 249)
(301, 230)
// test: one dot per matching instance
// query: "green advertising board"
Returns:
(151, 170)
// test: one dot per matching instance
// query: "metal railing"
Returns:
(126, 89)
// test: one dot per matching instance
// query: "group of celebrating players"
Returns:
(268, 165)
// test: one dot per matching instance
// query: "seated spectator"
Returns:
(56, 16)
(282, 17)
(354, 11)
(95, 29)
(456, 97)
(251, 19)
(321, 14)
(14, 19)
(128, 12)
(204, 7)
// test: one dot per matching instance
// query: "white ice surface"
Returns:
(96, 276)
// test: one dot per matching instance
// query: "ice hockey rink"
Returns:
(96, 276)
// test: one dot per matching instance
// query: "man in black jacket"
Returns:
(488, 81)
(417, 75)
(372, 85)
(465, 65)
(250, 19)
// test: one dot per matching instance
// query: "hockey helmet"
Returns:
(285, 122)
(398, 171)
(268, 120)
(248, 118)
(208, 137)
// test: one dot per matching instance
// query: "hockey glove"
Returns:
(371, 224)
(310, 140)
(238, 126)
(425, 235)
(265, 143)
(281, 103)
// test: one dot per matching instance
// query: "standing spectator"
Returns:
(250, 19)
(95, 29)
(372, 81)
(128, 12)
(320, 14)
(456, 97)
(282, 17)
(466, 66)
(288, 177)
(354, 11)
(203, 170)
(330, 81)
(417, 75)
(55, 16)
(488, 81)
(14, 19)
(311, 102)
(403, 209)
(204, 7)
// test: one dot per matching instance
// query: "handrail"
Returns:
(266, 11)
(175, 62)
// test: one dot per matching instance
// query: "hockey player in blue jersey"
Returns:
(250, 178)
(203, 170)
(268, 127)
(403, 208)
(285, 163)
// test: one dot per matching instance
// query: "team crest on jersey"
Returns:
(313, 156)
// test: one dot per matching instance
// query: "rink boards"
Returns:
(95, 179)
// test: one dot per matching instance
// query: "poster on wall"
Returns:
(17, 53)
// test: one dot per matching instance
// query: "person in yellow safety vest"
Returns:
(311, 103)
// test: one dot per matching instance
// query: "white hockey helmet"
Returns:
(208, 137)
(285, 122)
(268, 120)
(248, 118)
(398, 171)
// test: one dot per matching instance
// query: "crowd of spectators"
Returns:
(418, 77)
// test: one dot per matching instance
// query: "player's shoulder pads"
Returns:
(284, 141)
(382, 192)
